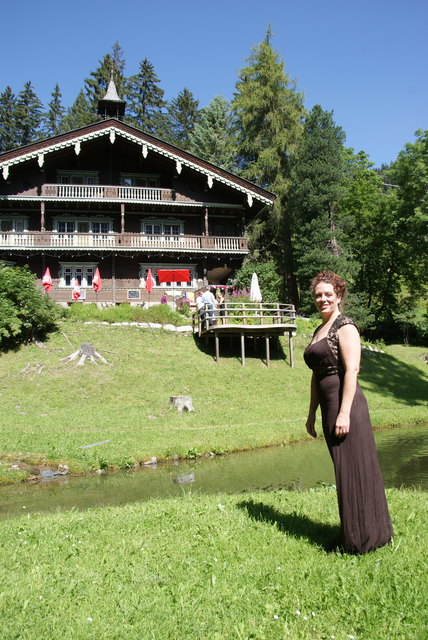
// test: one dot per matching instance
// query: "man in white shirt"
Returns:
(210, 304)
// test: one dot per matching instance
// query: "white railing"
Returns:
(139, 193)
(82, 240)
(79, 191)
(12, 239)
(120, 241)
(86, 191)
(164, 241)
(226, 244)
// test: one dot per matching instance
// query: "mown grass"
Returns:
(213, 568)
(160, 313)
(46, 417)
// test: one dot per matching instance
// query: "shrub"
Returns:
(25, 312)
(267, 273)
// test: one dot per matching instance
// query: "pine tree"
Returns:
(97, 84)
(318, 186)
(212, 136)
(8, 132)
(182, 117)
(54, 116)
(269, 112)
(78, 115)
(28, 115)
(145, 100)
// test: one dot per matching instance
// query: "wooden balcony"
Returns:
(38, 240)
(107, 192)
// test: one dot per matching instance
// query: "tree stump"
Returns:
(86, 350)
(182, 402)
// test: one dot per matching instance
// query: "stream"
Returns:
(403, 455)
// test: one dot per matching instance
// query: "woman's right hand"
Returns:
(310, 425)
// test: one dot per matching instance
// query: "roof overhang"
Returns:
(149, 144)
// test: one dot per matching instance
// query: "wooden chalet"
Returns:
(111, 197)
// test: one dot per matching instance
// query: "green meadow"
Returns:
(50, 408)
(220, 567)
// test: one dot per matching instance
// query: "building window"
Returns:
(101, 226)
(70, 272)
(139, 180)
(77, 177)
(144, 268)
(162, 227)
(13, 224)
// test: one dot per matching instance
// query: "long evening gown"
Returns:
(364, 517)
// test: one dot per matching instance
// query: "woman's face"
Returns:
(326, 299)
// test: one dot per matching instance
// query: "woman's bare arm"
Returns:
(350, 351)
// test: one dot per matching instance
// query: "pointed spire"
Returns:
(111, 106)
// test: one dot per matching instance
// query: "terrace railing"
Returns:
(100, 192)
(121, 241)
(251, 314)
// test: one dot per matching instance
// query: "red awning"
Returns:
(173, 275)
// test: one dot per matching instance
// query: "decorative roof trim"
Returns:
(214, 205)
(112, 131)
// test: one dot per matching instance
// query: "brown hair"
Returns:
(329, 277)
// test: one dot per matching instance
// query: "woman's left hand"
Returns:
(342, 425)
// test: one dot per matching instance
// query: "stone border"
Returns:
(145, 325)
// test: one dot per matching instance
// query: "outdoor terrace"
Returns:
(257, 320)
(107, 192)
(37, 240)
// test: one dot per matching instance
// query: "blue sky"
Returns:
(364, 60)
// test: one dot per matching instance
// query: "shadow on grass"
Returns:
(389, 376)
(230, 347)
(298, 526)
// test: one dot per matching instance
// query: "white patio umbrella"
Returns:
(255, 293)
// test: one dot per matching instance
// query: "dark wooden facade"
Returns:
(109, 196)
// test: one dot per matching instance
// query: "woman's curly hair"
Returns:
(329, 277)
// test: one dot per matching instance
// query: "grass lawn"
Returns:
(46, 417)
(213, 568)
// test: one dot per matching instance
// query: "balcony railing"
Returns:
(121, 241)
(100, 192)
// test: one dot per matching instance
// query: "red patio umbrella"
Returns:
(150, 283)
(97, 283)
(47, 280)
(76, 290)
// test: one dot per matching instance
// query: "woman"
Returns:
(334, 357)
(220, 304)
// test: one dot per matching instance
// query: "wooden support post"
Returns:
(206, 221)
(217, 347)
(267, 351)
(122, 217)
(242, 348)
(42, 216)
(290, 345)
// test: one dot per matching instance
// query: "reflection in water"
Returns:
(403, 455)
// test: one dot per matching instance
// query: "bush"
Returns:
(25, 312)
(267, 273)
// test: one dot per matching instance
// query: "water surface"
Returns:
(403, 455)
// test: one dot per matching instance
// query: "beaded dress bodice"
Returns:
(323, 356)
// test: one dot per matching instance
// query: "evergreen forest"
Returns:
(334, 209)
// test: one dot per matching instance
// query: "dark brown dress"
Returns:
(364, 517)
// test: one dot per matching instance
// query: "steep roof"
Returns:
(112, 128)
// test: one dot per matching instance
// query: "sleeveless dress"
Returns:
(364, 517)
